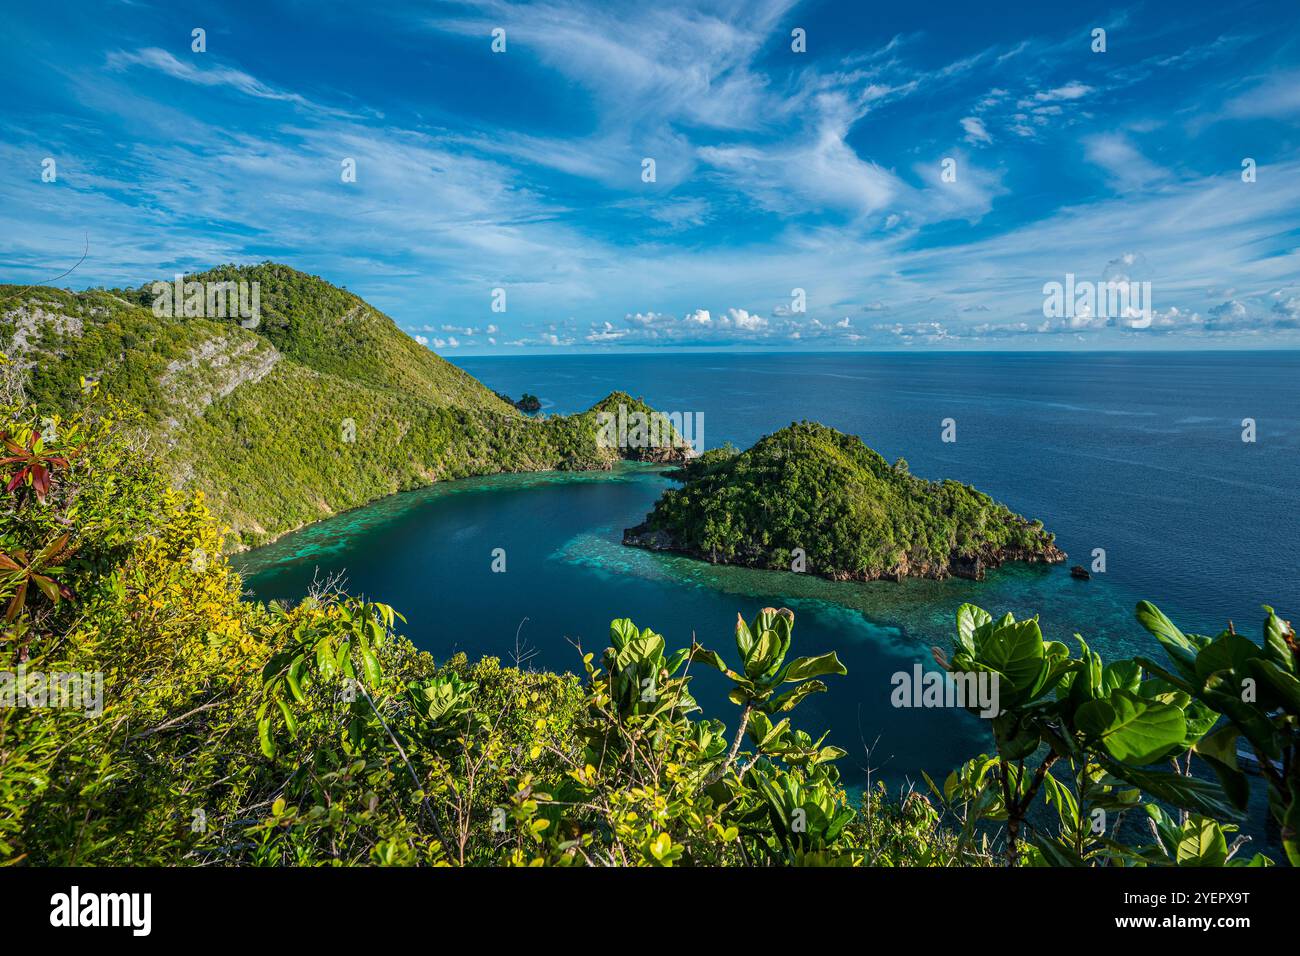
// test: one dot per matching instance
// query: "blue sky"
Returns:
(774, 170)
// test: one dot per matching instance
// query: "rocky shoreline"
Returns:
(971, 567)
(659, 455)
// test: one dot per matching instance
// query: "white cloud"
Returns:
(745, 321)
(217, 76)
(976, 133)
(1128, 169)
(1276, 97)
(1070, 91)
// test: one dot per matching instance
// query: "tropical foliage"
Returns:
(1079, 744)
(234, 732)
(1256, 689)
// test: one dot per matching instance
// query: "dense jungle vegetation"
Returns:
(852, 513)
(322, 406)
(242, 733)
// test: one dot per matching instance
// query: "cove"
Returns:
(430, 554)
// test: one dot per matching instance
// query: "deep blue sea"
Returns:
(1139, 454)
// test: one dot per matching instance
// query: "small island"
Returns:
(810, 498)
(528, 402)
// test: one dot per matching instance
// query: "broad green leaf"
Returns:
(293, 679)
(1250, 718)
(621, 631)
(803, 668)
(325, 658)
(371, 665)
(1121, 674)
(1055, 670)
(1187, 793)
(1016, 652)
(1221, 745)
(763, 655)
(787, 701)
(1164, 630)
(290, 721)
(1235, 784)
(1181, 650)
(1275, 642)
(1202, 843)
(969, 619)
(1226, 652)
(744, 637)
(1132, 728)
(264, 738)
(1285, 688)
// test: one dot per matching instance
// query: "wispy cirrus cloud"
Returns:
(1127, 168)
(152, 58)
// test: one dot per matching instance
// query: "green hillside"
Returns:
(856, 516)
(323, 406)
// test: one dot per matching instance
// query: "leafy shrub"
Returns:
(1084, 736)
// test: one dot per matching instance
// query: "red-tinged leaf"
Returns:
(16, 604)
(52, 550)
(8, 563)
(16, 480)
(48, 587)
(40, 482)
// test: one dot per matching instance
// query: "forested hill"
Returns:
(320, 405)
(811, 496)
